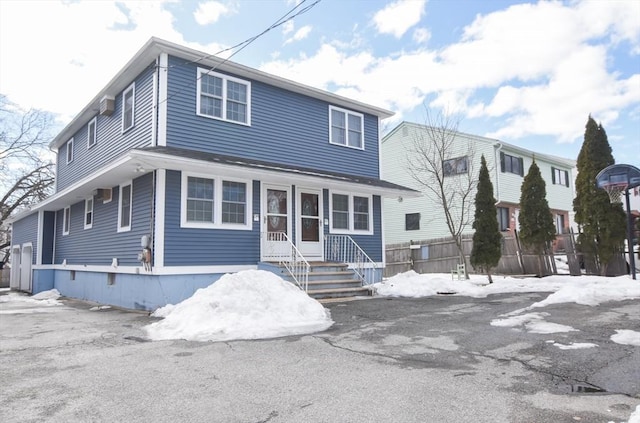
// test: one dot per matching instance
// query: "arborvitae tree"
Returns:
(601, 223)
(487, 240)
(536, 221)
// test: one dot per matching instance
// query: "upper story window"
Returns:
(215, 202)
(350, 213)
(128, 107)
(70, 151)
(560, 177)
(124, 207)
(92, 132)
(223, 97)
(88, 213)
(511, 164)
(346, 128)
(66, 220)
(456, 166)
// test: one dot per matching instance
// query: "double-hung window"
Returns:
(346, 128)
(70, 151)
(66, 220)
(124, 207)
(88, 213)
(503, 218)
(511, 164)
(128, 107)
(559, 177)
(223, 97)
(213, 202)
(350, 213)
(92, 132)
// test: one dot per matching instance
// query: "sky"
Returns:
(526, 73)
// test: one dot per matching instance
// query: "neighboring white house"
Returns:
(421, 218)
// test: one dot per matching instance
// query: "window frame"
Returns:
(511, 158)
(499, 218)
(66, 220)
(69, 152)
(131, 88)
(93, 132)
(347, 128)
(88, 212)
(217, 202)
(413, 220)
(121, 227)
(351, 229)
(225, 95)
(557, 179)
(454, 166)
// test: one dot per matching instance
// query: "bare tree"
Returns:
(26, 166)
(444, 169)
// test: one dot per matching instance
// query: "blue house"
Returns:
(186, 167)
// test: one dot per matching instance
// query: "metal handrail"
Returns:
(343, 249)
(278, 247)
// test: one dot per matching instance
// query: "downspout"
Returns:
(498, 147)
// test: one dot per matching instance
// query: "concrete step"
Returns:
(338, 292)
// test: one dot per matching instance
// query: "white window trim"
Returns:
(217, 203)
(86, 211)
(131, 87)
(351, 230)
(224, 78)
(346, 112)
(93, 122)
(66, 227)
(125, 228)
(69, 152)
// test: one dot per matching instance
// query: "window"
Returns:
(66, 220)
(503, 218)
(88, 213)
(350, 213)
(412, 221)
(223, 97)
(455, 166)
(124, 208)
(511, 164)
(128, 106)
(211, 202)
(346, 128)
(92, 132)
(70, 151)
(559, 177)
(560, 223)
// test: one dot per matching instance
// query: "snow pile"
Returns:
(251, 304)
(532, 322)
(45, 298)
(626, 337)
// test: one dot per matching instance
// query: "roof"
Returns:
(147, 55)
(137, 162)
(569, 163)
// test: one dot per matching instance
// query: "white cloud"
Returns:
(211, 11)
(396, 18)
(300, 34)
(288, 27)
(421, 35)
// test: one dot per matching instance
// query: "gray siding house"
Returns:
(186, 167)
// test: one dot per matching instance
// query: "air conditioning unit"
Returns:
(107, 105)
(104, 194)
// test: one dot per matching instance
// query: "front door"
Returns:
(276, 223)
(309, 233)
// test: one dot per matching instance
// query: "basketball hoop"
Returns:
(615, 192)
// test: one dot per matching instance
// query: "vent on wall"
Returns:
(107, 105)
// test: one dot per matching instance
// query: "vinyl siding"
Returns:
(24, 231)
(286, 127)
(207, 247)
(111, 142)
(100, 244)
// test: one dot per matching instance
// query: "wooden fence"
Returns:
(441, 256)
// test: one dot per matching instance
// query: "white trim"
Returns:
(158, 235)
(351, 230)
(66, 227)
(162, 99)
(86, 211)
(93, 122)
(346, 122)
(124, 184)
(154, 106)
(217, 203)
(264, 187)
(132, 88)
(69, 151)
(298, 221)
(39, 236)
(224, 98)
(170, 270)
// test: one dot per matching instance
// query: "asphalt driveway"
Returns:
(435, 359)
